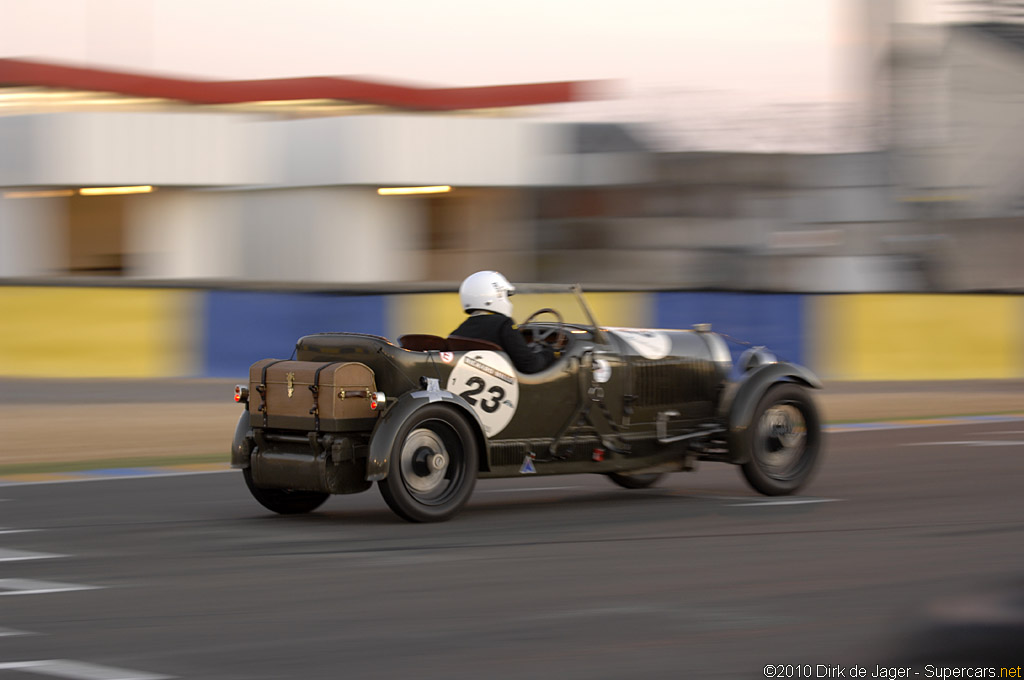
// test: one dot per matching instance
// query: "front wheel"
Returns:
(784, 440)
(433, 466)
(284, 501)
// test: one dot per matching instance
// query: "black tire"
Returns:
(284, 501)
(784, 440)
(628, 481)
(433, 465)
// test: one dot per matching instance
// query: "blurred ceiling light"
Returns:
(304, 107)
(45, 193)
(39, 99)
(408, 191)
(112, 191)
(125, 101)
(22, 94)
(36, 98)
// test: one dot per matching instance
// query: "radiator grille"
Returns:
(668, 381)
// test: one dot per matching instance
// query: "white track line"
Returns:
(787, 501)
(916, 423)
(8, 555)
(24, 586)
(971, 442)
(77, 670)
(17, 531)
(529, 488)
(10, 632)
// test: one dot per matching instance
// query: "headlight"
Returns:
(719, 349)
(754, 358)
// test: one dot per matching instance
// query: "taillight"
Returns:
(377, 399)
(241, 394)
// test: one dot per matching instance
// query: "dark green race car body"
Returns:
(629, 403)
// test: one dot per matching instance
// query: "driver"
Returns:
(485, 297)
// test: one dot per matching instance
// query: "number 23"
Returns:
(477, 386)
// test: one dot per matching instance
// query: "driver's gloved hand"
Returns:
(545, 351)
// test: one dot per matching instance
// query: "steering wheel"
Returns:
(552, 336)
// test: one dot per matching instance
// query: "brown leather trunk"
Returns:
(311, 396)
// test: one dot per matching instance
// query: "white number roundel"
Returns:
(487, 381)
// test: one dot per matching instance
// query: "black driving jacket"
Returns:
(499, 329)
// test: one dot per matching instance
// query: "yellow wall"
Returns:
(130, 332)
(96, 332)
(917, 337)
(441, 313)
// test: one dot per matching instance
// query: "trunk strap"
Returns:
(262, 389)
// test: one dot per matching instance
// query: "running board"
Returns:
(661, 427)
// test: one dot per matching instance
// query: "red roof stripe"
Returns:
(20, 72)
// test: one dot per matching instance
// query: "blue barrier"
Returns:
(773, 320)
(242, 327)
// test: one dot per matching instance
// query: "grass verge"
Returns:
(107, 463)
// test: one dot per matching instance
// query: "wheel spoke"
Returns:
(782, 438)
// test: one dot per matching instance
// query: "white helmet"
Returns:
(487, 291)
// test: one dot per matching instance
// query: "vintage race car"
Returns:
(426, 417)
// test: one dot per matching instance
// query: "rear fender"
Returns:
(384, 433)
(740, 410)
(242, 444)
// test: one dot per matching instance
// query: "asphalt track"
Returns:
(558, 577)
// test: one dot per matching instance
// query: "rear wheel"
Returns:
(284, 501)
(642, 481)
(433, 466)
(784, 439)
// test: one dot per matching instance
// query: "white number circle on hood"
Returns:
(488, 382)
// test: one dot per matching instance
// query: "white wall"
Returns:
(16, 138)
(96, 149)
(32, 237)
(419, 149)
(369, 238)
(327, 235)
(294, 200)
(192, 149)
(183, 234)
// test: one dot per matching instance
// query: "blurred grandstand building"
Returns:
(266, 180)
(344, 183)
(957, 139)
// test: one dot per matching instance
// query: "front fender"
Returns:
(241, 445)
(384, 433)
(740, 410)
